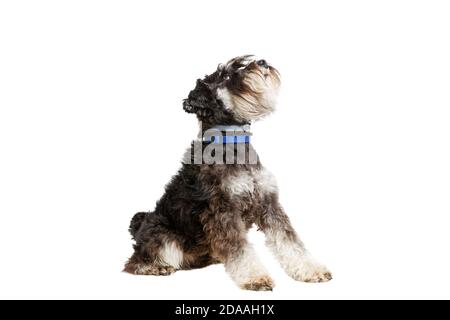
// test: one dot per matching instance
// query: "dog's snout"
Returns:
(262, 63)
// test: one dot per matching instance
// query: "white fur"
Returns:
(260, 103)
(171, 255)
(264, 84)
(224, 95)
(295, 260)
(246, 182)
(245, 267)
(266, 181)
(240, 184)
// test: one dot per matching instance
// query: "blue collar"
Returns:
(228, 134)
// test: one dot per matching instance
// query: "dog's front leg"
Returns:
(289, 250)
(227, 236)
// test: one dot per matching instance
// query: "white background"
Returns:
(90, 96)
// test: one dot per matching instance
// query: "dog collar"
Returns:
(228, 134)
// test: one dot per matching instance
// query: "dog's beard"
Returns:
(256, 96)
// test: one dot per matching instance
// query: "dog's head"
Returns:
(238, 92)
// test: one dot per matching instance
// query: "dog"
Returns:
(209, 206)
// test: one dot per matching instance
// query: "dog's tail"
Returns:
(136, 223)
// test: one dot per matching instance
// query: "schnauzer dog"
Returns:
(209, 206)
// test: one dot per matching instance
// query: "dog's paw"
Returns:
(262, 283)
(166, 271)
(154, 270)
(310, 271)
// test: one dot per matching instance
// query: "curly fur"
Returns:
(206, 210)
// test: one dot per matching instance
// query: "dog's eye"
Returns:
(227, 77)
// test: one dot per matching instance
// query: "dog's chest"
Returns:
(249, 183)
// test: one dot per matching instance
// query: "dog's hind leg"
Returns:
(159, 258)
(157, 250)
(135, 265)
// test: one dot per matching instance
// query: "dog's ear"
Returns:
(188, 107)
(201, 100)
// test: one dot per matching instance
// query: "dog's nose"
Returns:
(262, 63)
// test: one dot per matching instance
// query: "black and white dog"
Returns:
(209, 206)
